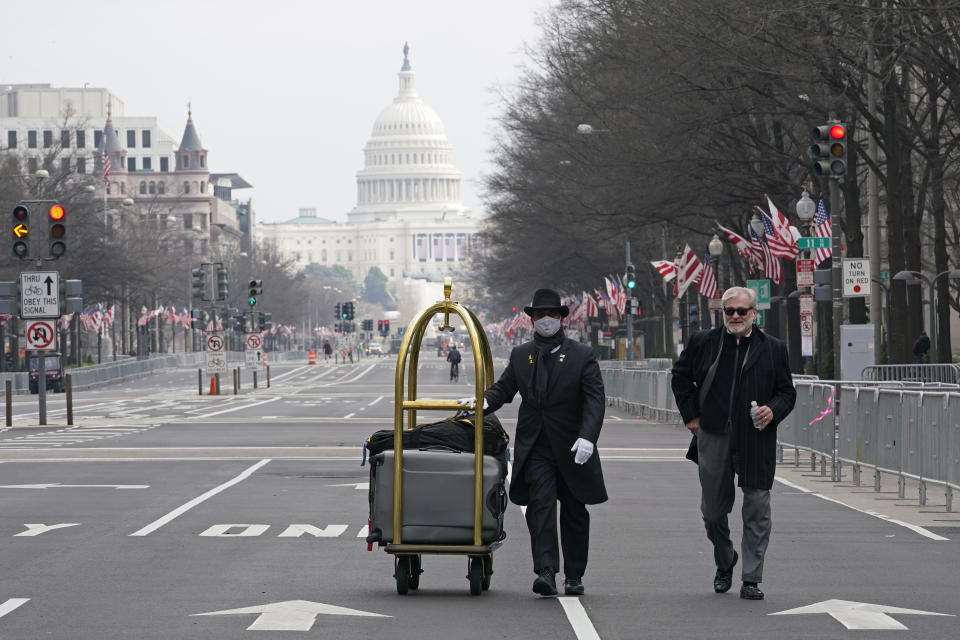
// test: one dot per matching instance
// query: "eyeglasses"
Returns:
(738, 310)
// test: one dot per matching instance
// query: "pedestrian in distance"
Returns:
(716, 381)
(558, 424)
(921, 346)
(327, 349)
(454, 359)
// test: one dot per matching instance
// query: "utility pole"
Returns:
(837, 269)
(629, 314)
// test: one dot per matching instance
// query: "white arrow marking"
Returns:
(12, 604)
(359, 486)
(292, 615)
(859, 615)
(35, 529)
(57, 485)
(579, 620)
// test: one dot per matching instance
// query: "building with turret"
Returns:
(409, 220)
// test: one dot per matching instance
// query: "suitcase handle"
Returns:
(440, 447)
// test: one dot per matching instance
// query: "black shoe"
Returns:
(573, 586)
(724, 579)
(546, 583)
(750, 591)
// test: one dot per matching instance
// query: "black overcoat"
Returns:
(765, 378)
(573, 408)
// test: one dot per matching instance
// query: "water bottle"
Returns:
(753, 413)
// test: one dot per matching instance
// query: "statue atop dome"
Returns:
(406, 59)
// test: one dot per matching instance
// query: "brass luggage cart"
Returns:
(407, 560)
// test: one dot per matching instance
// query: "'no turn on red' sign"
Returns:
(856, 277)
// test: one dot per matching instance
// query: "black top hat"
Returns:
(547, 300)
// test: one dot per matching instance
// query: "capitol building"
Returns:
(409, 220)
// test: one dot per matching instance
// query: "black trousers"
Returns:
(546, 487)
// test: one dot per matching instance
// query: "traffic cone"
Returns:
(213, 386)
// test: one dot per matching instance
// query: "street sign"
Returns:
(762, 287)
(806, 304)
(813, 243)
(41, 334)
(40, 294)
(856, 277)
(806, 324)
(215, 342)
(253, 358)
(805, 270)
(254, 341)
(215, 362)
(715, 304)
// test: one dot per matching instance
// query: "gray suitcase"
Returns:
(437, 498)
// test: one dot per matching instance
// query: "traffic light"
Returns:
(368, 325)
(263, 320)
(344, 310)
(380, 327)
(21, 231)
(338, 327)
(255, 288)
(630, 278)
(338, 312)
(348, 310)
(222, 285)
(197, 284)
(830, 150)
(56, 231)
(386, 327)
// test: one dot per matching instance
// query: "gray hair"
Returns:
(736, 292)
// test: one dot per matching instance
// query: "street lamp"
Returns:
(914, 277)
(757, 225)
(715, 248)
(806, 207)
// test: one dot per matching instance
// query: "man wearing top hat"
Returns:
(561, 412)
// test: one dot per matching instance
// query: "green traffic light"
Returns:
(252, 301)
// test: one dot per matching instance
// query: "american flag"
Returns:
(105, 161)
(708, 280)
(821, 229)
(779, 246)
(771, 264)
(590, 304)
(621, 298)
(741, 244)
(665, 268)
(785, 231)
(688, 271)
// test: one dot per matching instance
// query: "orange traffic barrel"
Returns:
(312, 357)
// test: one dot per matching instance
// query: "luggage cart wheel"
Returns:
(487, 572)
(476, 576)
(402, 574)
(415, 571)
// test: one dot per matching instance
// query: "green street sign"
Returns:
(884, 275)
(813, 243)
(762, 287)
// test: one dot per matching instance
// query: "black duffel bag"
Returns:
(453, 433)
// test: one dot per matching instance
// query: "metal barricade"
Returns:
(949, 373)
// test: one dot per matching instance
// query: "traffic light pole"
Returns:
(837, 272)
(629, 315)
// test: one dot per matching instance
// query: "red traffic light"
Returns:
(56, 212)
(20, 212)
(837, 132)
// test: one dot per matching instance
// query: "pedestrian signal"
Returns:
(21, 231)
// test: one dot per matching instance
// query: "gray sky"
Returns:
(284, 92)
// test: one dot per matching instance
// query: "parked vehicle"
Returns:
(375, 348)
(53, 363)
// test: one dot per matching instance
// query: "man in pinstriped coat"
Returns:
(714, 381)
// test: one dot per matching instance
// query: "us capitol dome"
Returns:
(409, 220)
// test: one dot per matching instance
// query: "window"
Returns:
(186, 189)
(188, 246)
(391, 272)
(131, 139)
(188, 221)
(143, 187)
(65, 139)
(323, 256)
(11, 139)
(164, 164)
(349, 256)
(153, 187)
(131, 164)
(31, 165)
(203, 160)
(81, 139)
(32, 139)
(65, 165)
(81, 165)
(47, 138)
(123, 187)
(161, 187)
(147, 163)
(186, 162)
(97, 139)
(203, 188)
(145, 138)
(391, 254)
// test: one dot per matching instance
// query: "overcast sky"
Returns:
(284, 92)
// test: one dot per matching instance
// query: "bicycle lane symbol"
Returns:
(40, 335)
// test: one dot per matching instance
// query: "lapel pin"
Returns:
(562, 356)
(531, 358)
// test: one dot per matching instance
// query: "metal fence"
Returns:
(909, 429)
(948, 373)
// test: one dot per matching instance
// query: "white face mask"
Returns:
(546, 326)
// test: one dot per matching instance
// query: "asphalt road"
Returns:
(165, 514)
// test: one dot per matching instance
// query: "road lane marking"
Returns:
(156, 524)
(379, 398)
(12, 604)
(348, 416)
(578, 618)
(876, 514)
(245, 406)
(616, 417)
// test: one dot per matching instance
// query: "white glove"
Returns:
(582, 450)
(468, 402)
